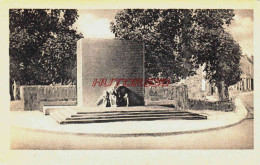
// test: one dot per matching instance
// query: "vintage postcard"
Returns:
(141, 77)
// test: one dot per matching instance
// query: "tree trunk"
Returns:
(226, 92)
(222, 91)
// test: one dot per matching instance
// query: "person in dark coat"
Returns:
(121, 93)
(120, 96)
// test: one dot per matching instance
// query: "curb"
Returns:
(130, 135)
(136, 134)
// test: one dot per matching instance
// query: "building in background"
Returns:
(247, 76)
(198, 86)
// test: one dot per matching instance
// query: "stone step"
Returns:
(68, 112)
(144, 111)
(132, 119)
(71, 111)
(57, 116)
(128, 113)
(63, 113)
(131, 116)
(68, 115)
(89, 110)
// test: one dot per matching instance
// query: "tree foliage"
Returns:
(221, 55)
(42, 45)
(177, 41)
(159, 30)
(169, 36)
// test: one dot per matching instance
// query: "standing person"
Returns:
(107, 100)
(18, 90)
(14, 90)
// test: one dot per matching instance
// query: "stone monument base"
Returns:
(79, 115)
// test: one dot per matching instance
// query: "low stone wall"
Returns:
(32, 96)
(176, 95)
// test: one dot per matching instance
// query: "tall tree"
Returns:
(160, 31)
(221, 55)
(42, 41)
(173, 39)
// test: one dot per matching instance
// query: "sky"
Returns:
(95, 24)
(242, 29)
